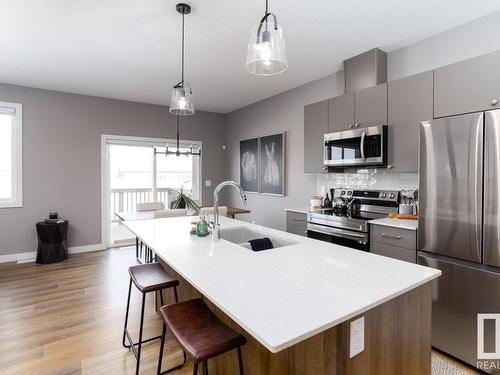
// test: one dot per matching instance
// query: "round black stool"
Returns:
(52, 245)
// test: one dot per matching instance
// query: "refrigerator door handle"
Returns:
(491, 212)
(478, 187)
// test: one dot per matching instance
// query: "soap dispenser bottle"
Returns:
(327, 203)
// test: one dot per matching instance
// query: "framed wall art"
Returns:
(249, 165)
(272, 164)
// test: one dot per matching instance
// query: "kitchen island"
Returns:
(294, 303)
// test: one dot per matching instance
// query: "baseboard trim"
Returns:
(17, 257)
(30, 256)
(86, 248)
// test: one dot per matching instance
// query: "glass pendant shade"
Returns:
(266, 54)
(181, 102)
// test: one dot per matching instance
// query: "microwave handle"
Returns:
(362, 146)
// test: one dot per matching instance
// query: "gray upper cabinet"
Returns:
(315, 127)
(341, 113)
(469, 86)
(371, 106)
(410, 101)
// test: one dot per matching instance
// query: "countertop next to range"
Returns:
(302, 210)
(388, 222)
(285, 295)
(396, 223)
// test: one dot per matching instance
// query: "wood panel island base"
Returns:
(294, 303)
(397, 341)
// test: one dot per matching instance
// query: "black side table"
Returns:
(52, 245)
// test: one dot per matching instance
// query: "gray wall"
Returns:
(61, 157)
(283, 112)
(461, 43)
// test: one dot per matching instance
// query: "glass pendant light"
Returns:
(266, 54)
(181, 102)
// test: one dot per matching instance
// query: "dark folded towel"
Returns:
(260, 244)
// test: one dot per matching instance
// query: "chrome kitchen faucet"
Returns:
(216, 224)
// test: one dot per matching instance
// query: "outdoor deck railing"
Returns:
(123, 200)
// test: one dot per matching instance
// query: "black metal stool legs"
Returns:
(162, 345)
(137, 352)
(126, 335)
(126, 316)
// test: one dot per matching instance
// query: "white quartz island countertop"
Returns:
(284, 295)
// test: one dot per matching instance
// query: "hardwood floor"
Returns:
(67, 318)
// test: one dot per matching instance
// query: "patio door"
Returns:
(134, 173)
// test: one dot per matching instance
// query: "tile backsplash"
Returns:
(367, 179)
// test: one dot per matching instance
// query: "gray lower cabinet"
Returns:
(468, 86)
(394, 252)
(296, 222)
(410, 101)
(341, 113)
(315, 127)
(371, 106)
(394, 242)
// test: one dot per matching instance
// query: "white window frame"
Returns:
(17, 156)
(107, 139)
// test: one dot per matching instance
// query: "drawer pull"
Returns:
(391, 236)
(295, 219)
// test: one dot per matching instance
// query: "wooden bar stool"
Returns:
(147, 278)
(199, 332)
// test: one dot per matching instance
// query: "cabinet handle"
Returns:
(351, 126)
(356, 125)
(494, 102)
(391, 236)
(295, 219)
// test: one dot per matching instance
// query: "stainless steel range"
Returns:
(347, 222)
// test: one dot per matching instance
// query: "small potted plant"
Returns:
(183, 200)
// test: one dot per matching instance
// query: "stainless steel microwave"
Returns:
(357, 147)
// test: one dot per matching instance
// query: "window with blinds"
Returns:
(11, 153)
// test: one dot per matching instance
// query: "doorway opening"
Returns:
(133, 173)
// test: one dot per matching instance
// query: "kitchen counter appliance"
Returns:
(459, 227)
(356, 147)
(347, 222)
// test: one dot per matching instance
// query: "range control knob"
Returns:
(349, 193)
(383, 195)
(392, 196)
(343, 192)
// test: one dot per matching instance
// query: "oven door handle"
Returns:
(362, 146)
(336, 232)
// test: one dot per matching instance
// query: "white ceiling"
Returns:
(129, 49)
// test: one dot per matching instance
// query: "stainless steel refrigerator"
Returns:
(459, 227)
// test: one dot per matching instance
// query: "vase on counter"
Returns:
(202, 228)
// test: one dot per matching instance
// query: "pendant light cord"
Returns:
(178, 124)
(182, 52)
(265, 21)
